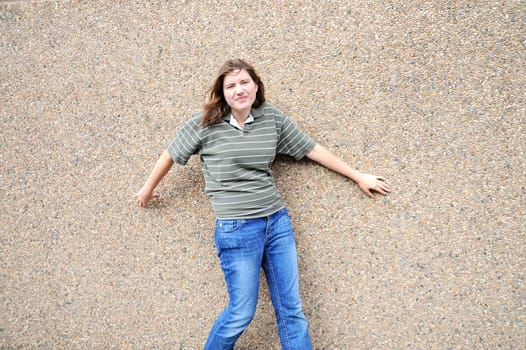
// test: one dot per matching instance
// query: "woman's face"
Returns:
(240, 92)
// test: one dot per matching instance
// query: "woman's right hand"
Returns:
(144, 196)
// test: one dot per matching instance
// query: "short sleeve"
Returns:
(292, 140)
(187, 141)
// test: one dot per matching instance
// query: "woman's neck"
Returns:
(240, 116)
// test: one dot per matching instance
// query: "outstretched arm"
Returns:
(163, 165)
(367, 182)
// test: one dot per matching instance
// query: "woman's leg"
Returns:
(281, 268)
(240, 245)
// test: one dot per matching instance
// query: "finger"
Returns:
(384, 187)
(156, 195)
(383, 190)
(382, 183)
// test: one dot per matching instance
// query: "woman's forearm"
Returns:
(163, 165)
(326, 158)
(160, 169)
(367, 182)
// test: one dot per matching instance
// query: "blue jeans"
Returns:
(244, 246)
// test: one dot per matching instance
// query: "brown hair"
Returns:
(217, 107)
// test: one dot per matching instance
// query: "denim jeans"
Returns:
(244, 246)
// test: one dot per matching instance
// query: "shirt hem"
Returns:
(256, 216)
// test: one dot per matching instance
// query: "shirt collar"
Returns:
(234, 122)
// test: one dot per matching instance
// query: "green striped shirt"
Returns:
(236, 163)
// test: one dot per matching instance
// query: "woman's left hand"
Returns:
(368, 183)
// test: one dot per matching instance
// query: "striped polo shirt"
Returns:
(236, 163)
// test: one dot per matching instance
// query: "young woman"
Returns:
(237, 136)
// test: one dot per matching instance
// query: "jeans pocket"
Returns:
(228, 235)
(228, 226)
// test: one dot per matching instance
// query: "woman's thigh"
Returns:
(240, 246)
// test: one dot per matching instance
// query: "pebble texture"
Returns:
(430, 94)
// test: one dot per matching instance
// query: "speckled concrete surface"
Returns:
(429, 94)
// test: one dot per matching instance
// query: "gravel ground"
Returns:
(430, 94)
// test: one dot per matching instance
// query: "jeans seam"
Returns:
(278, 300)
